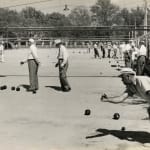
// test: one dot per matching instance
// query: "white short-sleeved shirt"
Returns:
(1, 49)
(63, 54)
(142, 51)
(128, 47)
(32, 54)
(143, 86)
(95, 45)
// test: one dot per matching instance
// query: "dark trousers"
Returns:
(109, 50)
(103, 52)
(96, 53)
(63, 76)
(33, 74)
(128, 63)
(141, 61)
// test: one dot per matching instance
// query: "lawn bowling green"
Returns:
(55, 120)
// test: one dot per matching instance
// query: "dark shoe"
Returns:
(66, 90)
(34, 91)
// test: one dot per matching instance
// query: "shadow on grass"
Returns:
(57, 88)
(133, 136)
(3, 76)
(25, 86)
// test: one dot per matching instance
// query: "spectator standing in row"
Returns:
(103, 50)
(115, 50)
(122, 50)
(141, 60)
(1, 51)
(127, 55)
(109, 47)
(88, 47)
(96, 52)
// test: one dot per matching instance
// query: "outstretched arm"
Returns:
(115, 100)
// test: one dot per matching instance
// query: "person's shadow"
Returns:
(57, 88)
(134, 136)
(26, 87)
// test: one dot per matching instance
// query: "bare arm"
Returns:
(115, 100)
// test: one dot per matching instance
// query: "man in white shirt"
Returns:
(1, 51)
(141, 60)
(122, 49)
(115, 50)
(33, 65)
(127, 54)
(135, 85)
(63, 65)
(109, 47)
(96, 52)
(134, 56)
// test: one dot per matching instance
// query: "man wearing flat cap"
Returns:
(135, 85)
(33, 65)
(63, 65)
(141, 60)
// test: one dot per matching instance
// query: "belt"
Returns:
(142, 55)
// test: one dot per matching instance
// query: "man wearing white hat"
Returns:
(63, 65)
(141, 60)
(135, 85)
(33, 65)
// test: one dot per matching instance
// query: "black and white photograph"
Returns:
(74, 74)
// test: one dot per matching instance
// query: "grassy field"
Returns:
(54, 120)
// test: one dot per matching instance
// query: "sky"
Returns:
(49, 6)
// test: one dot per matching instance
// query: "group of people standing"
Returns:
(134, 57)
(106, 50)
(34, 63)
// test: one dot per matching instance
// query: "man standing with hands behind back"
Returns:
(63, 65)
(33, 65)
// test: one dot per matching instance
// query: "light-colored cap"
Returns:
(31, 40)
(142, 42)
(127, 71)
(57, 41)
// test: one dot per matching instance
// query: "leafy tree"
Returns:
(56, 19)
(105, 12)
(80, 16)
(32, 17)
(137, 16)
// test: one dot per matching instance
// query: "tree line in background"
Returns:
(103, 13)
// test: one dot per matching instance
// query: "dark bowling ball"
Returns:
(21, 62)
(116, 116)
(34, 92)
(113, 65)
(13, 88)
(5, 87)
(87, 112)
(1, 88)
(18, 89)
(123, 129)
